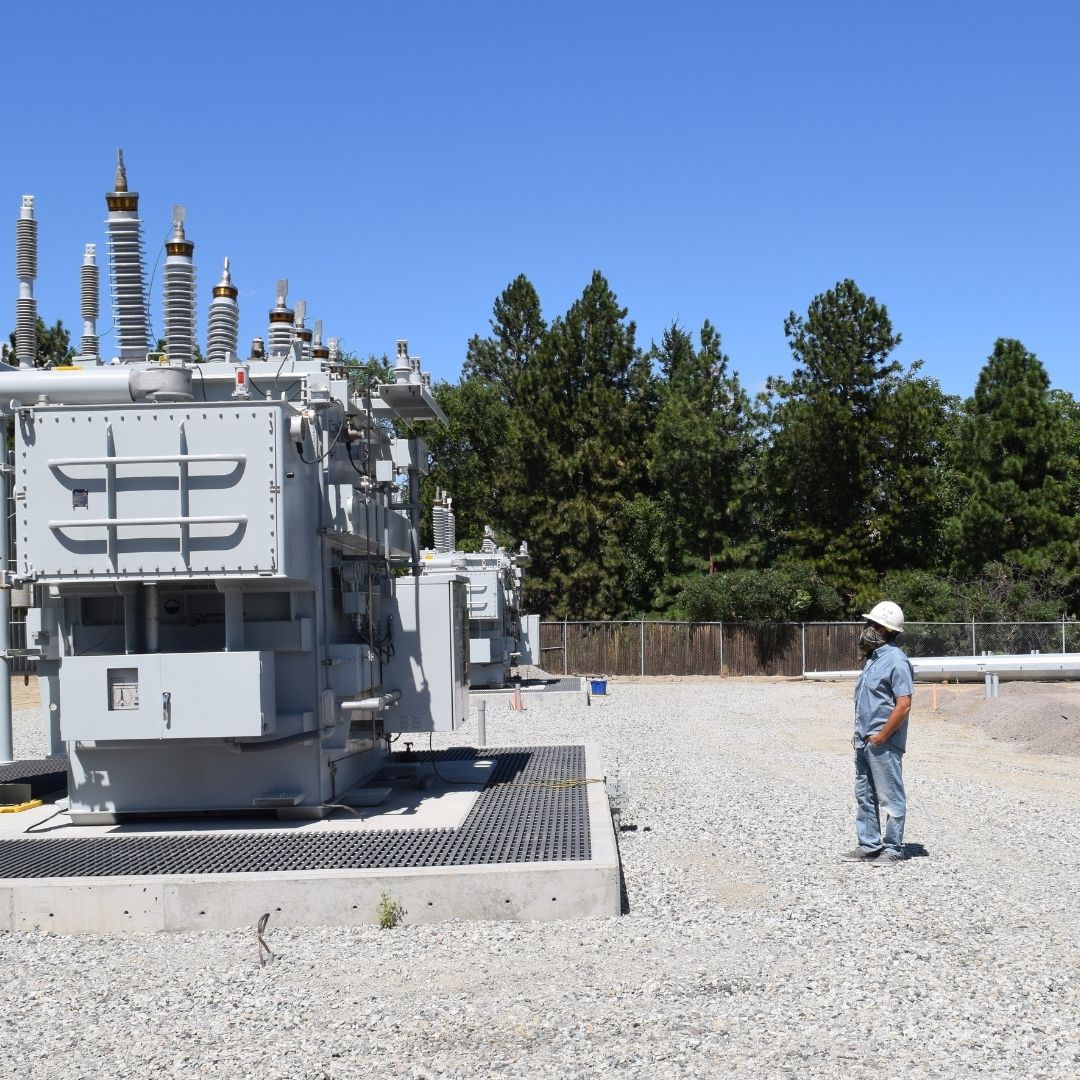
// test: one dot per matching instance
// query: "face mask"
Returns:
(870, 639)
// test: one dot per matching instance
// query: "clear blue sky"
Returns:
(401, 163)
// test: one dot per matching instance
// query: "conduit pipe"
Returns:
(94, 386)
(975, 668)
(372, 704)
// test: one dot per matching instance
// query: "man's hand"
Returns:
(876, 740)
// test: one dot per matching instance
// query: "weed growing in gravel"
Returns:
(390, 912)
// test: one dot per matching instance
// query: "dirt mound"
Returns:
(1044, 716)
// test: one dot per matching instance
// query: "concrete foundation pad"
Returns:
(572, 888)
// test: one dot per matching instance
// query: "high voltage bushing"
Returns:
(279, 337)
(26, 271)
(179, 294)
(318, 350)
(223, 325)
(303, 334)
(90, 297)
(130, 315)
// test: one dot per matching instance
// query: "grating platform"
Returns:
(540, 826)
(44, 775)
(566, 684)
(532, 810)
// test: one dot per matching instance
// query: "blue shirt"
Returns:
(886, 676)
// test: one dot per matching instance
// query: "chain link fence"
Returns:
(645, 647)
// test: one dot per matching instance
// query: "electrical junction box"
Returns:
(430, 661)
(152, 696)
(485, 595)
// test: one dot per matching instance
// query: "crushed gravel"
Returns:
(747, 950)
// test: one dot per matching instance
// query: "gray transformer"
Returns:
(214, 555)
(217, 621)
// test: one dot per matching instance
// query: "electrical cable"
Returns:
(337, 436)
(435, 768)
(109, 629)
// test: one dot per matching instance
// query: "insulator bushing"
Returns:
(179, 278)
(131, 317)
(26, 271)
(26, 240)
(223, 325)
(26, 331)
(279, 337)
(90, 296)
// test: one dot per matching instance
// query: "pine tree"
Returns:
(700, 449)
(582, 412)
(853, 441)
(1016, 472)
(517, 327)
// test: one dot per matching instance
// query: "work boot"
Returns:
(889, 857)
(859, 855)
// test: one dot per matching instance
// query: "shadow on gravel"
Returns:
(915, 851)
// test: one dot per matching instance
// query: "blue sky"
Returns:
(400, 164)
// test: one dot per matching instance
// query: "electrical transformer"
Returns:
(223, 557)
(501, 636)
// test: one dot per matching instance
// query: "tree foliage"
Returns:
(1016, 469)
(53, 345)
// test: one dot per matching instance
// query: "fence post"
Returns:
(643, 644)
(721, 648)
(973, 652)
(565, 662)
(803, 625)
(1063, 631)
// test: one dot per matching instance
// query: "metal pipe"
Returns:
(273, 744)
(382, 701)
(93, 386)
(414, 519)
(234, 619)
(7, 752)
(131, 618)
(151, 616)
(481, 722)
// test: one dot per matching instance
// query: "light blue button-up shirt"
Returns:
(886, 676)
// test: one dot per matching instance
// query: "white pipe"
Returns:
(372, 704)
(93, 386)
(975, 668)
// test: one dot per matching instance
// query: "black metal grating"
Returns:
(44, 775)
(530, 811)
(562, 685)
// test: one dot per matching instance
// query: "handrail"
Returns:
(149, 459)
(110, 523)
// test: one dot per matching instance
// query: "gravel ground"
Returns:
(748, 948)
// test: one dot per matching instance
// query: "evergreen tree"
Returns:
(853, 441)
(1016, 472)
(517, 329)
(582, 412)
(468, 460)
(53, 345)
(700, 449)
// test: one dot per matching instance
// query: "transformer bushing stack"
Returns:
(179, 293)
(218, 620)
(90, 294)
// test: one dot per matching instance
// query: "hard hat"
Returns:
(887, 614)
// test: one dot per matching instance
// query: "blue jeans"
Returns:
(879, 789)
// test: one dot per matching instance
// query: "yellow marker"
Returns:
(18, 808)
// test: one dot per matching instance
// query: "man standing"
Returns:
(882, 704)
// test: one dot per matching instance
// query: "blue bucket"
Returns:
(599, 687)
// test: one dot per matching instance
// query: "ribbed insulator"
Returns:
(279, 338)
(90, 282)
(180, 310)
(438, 528)
(26, 248)
(451, 530)
(130, 316)
(88, 345)
(223, 329)
(26, 330)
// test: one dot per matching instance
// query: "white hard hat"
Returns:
(887, 614)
